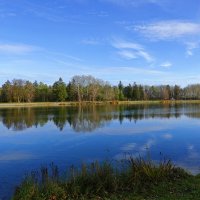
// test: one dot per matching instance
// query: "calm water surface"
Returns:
(31, 137)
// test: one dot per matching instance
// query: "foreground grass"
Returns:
(134, 179)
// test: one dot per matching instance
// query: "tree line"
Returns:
(89, 88)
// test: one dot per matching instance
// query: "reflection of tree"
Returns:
(17, 119)
(193, 111)
(60, 117)
(89, 118)
(21, 118)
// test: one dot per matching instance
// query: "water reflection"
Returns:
(89, 118)
(112, 131)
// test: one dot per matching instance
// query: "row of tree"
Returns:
(88, 88)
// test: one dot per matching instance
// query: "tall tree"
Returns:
(136, 92)
(86, 87)
(121, 88)
(177, 92)
(141, 91)
(29, 91)
(59, 90)
(6, 92)
(42, 92)
(18, 90)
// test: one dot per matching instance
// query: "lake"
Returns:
(32, 137)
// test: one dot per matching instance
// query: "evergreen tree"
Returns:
(59, 90)
(136, 92)
(177, 91)
(6, 93)
(121, 88)
(141, 91)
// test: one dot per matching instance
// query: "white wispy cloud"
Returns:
(166, 64)
(7, 14)
(131, 50)
(63, 57)
(127, 54)
(120, 44)
(53, 11)
(108, 72)
(90, 41)
(132, 70)
(163, 30)
(17, 48)
(145, 55)
(98, 13)
(134, 3)
(191, 46)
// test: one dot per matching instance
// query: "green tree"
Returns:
(6, 93)
(42, 92)
(29, 91)
(177, 92)
(128, 92)
(59, 90)
(121, 88)
(18, 90)
(136, 92)
(71, 91)
(141, 91)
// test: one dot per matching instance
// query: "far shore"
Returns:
(59, 104)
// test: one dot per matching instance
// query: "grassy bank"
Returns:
(58, 104)
(133, 179)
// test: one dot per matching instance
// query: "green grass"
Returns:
(135, 179)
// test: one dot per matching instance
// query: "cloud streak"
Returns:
(17, 48)
(133, 3)
(191, 46)
(166, 64)
(131, 50)
(163, 30)
(91, 41)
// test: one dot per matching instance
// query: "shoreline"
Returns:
(132, 179)
(66, 104)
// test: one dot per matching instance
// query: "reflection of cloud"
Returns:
(190, 167)
(147, 145)
(134, 150)
(192, 152)
(125, 155)
(190, 147)
(14, 156)
(132, 131)
(167, 136)
(129, 147)
(190, 161)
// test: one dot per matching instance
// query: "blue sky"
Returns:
(147, 41)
